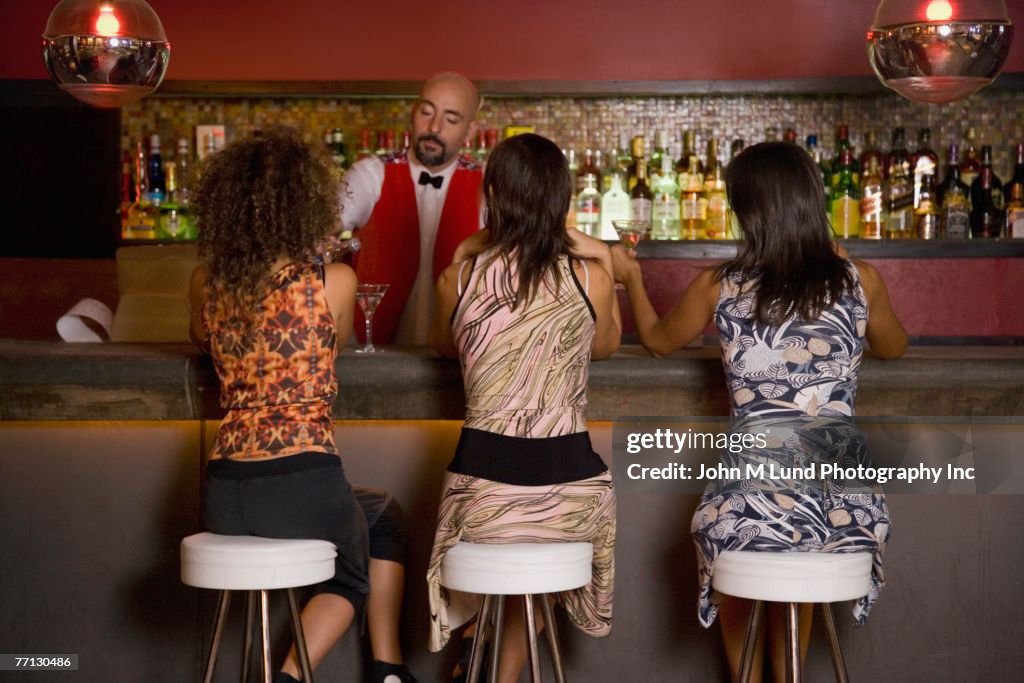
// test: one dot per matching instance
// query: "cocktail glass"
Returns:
(369, 295)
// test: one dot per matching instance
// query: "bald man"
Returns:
(411, 209)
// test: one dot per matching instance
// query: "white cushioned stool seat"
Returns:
(254, 563)
(517, 568)
(793, 577)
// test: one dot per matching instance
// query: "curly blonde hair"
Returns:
(268, 195)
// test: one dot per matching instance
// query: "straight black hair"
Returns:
(776, 193)
(527, 189)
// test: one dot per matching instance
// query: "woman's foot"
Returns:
(383, 672)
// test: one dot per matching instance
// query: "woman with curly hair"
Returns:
(270, 313)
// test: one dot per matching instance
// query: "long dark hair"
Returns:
(527, 189)
(776, 193)
(262, 197)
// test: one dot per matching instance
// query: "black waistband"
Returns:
(225, 468)
(526, 462)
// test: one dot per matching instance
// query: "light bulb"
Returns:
(106, 53)
(938, 51)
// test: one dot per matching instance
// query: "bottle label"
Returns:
(957, 221)
(666, 209)
(640, 209)
(1015, 223)
(691, 208)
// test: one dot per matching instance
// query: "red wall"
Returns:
(330, 40)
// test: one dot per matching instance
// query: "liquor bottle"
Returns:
(789, 135)
(737, 146)
(1018, 170)
(614, 206)
(986, 218)
(641, 198)
(636, 153)
(716, 218)
(970, 165)
(1015, 212)
(689, 153)
(926, 216)
(407, 141)
(612, 169)
(155, 172)
(771, 134)
(338, 152)
(996, 187)
(127, 190)
(660, 150)
(364, 150)
(589, 167)
(870, 152)
(872, 201)
(845, 199)
(953, 197)
(824, 173)
(924, 162)
(588, 206)
(142, 215)
(574, 166)
(692, 203)
(899, 156)
(842, 144)
(381, 150)
(899, 218)
(625, 158)
(665, 211)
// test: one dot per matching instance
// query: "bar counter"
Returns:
(102, 449)
(54, 381)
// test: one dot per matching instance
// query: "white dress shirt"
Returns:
(360, 192)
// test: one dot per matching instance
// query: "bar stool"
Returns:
(527, 569)
(792, 578)
(252, 563)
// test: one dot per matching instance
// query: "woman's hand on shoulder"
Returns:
(885, 334)
(583, 246)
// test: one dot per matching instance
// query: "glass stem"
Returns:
(369, 333)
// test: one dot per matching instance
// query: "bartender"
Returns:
(410, 210)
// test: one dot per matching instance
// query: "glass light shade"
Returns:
(937, 51)
(106, 53)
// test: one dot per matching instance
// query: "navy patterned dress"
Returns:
(796, 381)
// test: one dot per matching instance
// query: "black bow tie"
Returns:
(427, 179)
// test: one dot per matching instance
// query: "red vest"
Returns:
(390, 250)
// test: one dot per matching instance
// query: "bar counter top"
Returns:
(58, 381)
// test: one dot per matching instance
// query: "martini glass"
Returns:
(369, 295)
(630, 233)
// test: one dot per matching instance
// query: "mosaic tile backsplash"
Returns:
(583, 122)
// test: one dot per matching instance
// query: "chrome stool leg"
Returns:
(250, 620)
(477, 654)
(792, 643)
(750, 642)
(499, 630)
(222, 615)
(265, 636)
(531, 635)
(549, 626)
(838, 663)
(300, 638)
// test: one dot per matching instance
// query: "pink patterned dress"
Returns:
(524, 470)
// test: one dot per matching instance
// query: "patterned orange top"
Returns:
(278, 381)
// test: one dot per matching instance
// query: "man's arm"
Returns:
(359, 191)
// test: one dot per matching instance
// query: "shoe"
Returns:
(383, 672)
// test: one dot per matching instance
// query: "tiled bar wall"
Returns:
(998, 116)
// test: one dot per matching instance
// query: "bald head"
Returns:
(443, 119)
(455, 83)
